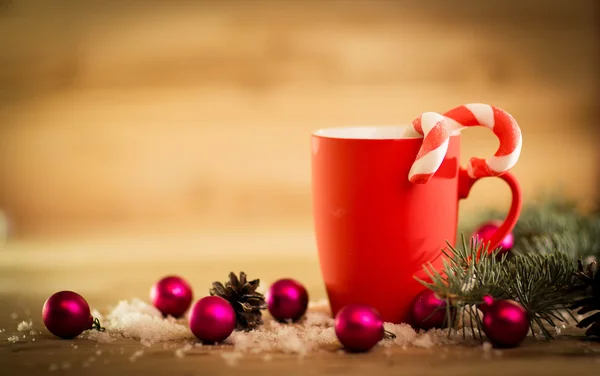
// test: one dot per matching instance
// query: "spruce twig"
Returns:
(553, 224)
(541, 282)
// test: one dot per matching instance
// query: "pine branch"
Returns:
(552, 225)
(541, 230)
(550, 237)
(541, 282)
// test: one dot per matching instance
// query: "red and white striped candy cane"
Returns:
(499, 121)
(434, 129)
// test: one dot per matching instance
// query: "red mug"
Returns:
(374, 229)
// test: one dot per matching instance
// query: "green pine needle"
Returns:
(554, 224)
(551, 236)
(542, 282)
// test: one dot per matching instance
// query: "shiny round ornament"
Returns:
(505, 322)
(287, 300)
(358, 327)
(212, 319)
(172, 296)
(485, 232)
(429, 311)
(66, 314)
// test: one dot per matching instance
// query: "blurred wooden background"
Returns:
(168, 115)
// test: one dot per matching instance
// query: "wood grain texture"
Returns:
(26, 281)
(134, 115)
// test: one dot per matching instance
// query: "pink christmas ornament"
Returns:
(287, 299)
(429, 311)
(172, 296)
(212, 319)
(66, 314)
(505, 322)
(358, 327)
(488, 300)
(485, 232)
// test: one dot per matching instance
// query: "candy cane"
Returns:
(436, 134)
(499, 121)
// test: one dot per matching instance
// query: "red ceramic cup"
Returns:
(374, 229)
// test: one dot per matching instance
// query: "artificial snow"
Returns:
(487, 347)
(102, 337)
(298, 338)
(232, 358)
(96, 314)
(182, 351)
(140, 321)
(136, 355)
(13, 339)
(25, 326)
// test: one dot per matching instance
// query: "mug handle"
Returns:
(465, 183)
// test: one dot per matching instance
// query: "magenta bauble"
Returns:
(429, 311)
(172, 296)
(212, 319)
(287, 300)
(485, 232)
(505, 322)
(485, 305)
(66, 314)
(358, 327)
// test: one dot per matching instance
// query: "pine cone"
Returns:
(590, 278)
(246, 302)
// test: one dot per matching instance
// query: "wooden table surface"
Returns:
(30, 272)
